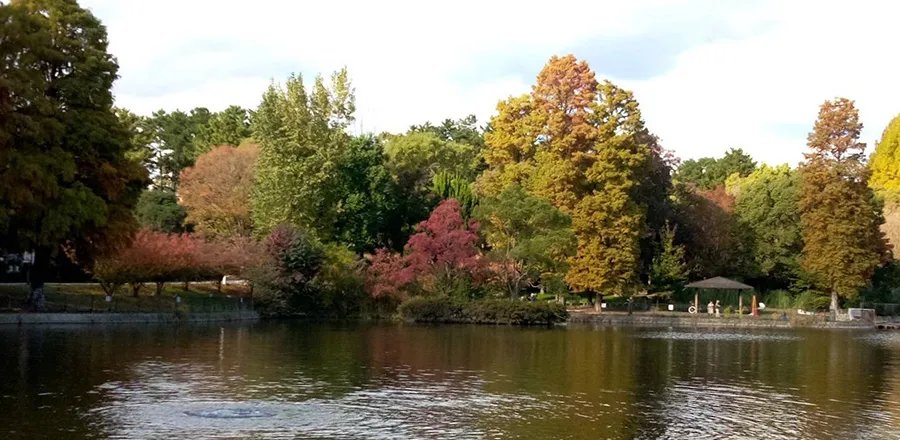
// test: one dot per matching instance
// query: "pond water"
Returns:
(353, 381)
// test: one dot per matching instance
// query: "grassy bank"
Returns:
(80, 298)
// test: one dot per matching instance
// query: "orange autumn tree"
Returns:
(581, 145)
(216, 191)
(838, 219)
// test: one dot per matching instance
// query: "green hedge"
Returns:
(490, 311)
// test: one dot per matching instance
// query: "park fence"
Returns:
(74, 303)
(882, 309)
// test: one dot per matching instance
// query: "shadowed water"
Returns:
(322, 381)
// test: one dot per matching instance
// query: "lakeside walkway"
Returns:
(122, 318)
(676, 319)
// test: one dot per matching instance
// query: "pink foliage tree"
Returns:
(152, 257)
(442, 251)
(389, 274)
(236, 256)
(160, 258)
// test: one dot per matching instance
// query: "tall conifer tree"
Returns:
(839, 219)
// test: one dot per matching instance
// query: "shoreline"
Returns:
(576, 317)
(652, 320)
(9, 319)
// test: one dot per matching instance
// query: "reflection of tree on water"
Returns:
(466, 381)
(818, 384)
(892, 377)
(553, 383)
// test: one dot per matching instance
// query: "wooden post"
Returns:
(740, 304)
(697, 301)
(753, 308)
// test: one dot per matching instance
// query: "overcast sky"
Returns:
(709, 74)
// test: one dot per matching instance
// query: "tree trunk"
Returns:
(136, 288)
(37, 273)
(159, 287)
(597, 304)
(835, 307)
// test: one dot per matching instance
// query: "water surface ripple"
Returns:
(286, 380)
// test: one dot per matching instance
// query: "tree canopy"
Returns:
(158, 210)
(669, 270)
(886, 159)
(582, 146)
(415, 159)
(530, 238)
(373, 211)
(302, 139)
(839, 221)
(766, 203)
(463, 131)
(707, 173)
(216, 191)
(66, 178)
(564, 189)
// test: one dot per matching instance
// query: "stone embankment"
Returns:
(672, 320)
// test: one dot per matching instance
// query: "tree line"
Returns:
(565, 190)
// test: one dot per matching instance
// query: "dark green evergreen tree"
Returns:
(65, 180)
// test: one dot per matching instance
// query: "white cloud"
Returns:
(417, 61)
(737, 93)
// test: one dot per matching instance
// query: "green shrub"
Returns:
(491, 311)
(779, 299)
(728, 311)
(432, 309)
(340, 283)
(812, 300)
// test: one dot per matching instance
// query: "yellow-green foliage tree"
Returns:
(838, 216)
(766, 205)
(576, 142)
(415, 158)
(886, 159)
(301, 139)
(885, 180)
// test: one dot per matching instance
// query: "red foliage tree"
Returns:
(152, 257)
(235, 256)
(720, 197)
(389, 274)
(442, 250)
(443, 245)
(715, 240)
(177, 259)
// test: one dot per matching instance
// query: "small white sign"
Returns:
(108, 298)
(671, 307)
(178, 299)
(602, 305)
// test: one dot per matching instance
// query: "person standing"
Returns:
(717, 307)
(710, 307)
